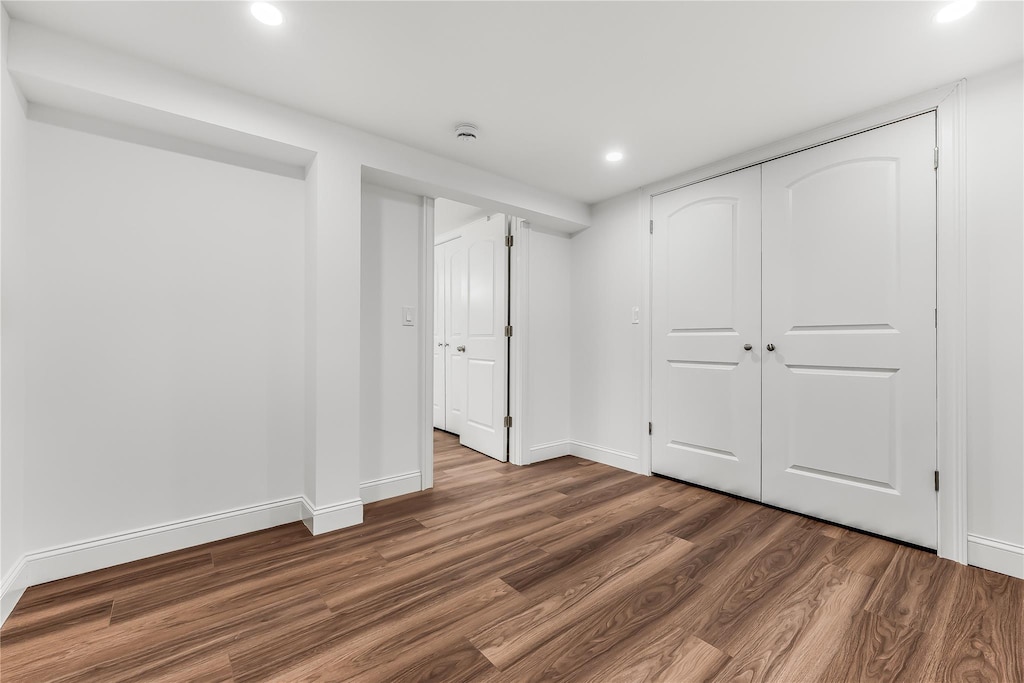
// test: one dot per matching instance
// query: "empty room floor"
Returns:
(564, 570)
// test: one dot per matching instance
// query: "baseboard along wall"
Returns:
(390, 487)
(549, 451)
(99, 553)
(606, 456)
(997, 556)
(78, 558)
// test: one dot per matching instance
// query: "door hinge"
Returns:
(508, 330)
(935, 159)
(936, 318)
(650, 428)
(508, 422)
(936, 480)
(652, 226)
(508, 240)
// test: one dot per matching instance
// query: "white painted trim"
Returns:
(12, 589)
(606, 456)
(997, 556)
(518, 357)
(951, 335)
(948, 102)
(390, 487)
(60, 562)
(426, 340)
(910, 106)
(549, 451)
(644, 212)
(328, 518)
(11, 579)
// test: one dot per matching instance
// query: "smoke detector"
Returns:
(466, 132)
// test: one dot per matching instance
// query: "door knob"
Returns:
(747, 347)
(770, 347)
(460, 349)
(440, 343)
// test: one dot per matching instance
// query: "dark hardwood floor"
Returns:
(565, 570)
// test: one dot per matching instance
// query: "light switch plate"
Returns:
(408, 316)
(636, 315)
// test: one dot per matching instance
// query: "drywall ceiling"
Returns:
(449, 215)
(554, 85)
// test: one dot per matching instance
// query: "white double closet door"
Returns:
(794, 332)
(470, 348)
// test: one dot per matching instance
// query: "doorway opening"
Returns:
(472, 326)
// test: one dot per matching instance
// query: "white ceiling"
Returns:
(553, 85)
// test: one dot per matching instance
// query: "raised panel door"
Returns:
(849, 419)
(706, 309)
(485, 346)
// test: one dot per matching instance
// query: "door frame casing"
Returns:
(949, 105)
(519, 300)
(426, 343)
(516, 356)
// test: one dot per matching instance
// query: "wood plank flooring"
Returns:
(564, 570)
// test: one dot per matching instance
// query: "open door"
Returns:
(484, 347)
(439, 339)
(455, 310)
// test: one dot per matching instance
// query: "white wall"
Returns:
(14, 222)
(607, 353)
(390, 438)
(165, 337)
(607, 423)
(68, 74)
(174, 112)
(546, 431)
(995, 310)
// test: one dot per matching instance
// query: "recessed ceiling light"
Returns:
(613, 156)
(266, 13)
(954, 11)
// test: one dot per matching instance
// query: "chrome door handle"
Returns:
(747, 347)
(770, 347)
(460, 349)
(440, 343)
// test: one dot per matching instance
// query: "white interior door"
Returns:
(484, 348)
(849, 415)
(706, 308)
(456, 307)
(439, 336)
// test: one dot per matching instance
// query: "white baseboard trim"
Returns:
(328, 518)
(390, 487)
(607, 456)
(12, 588)
(549, 451)
(99, 553)
(997, 556)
